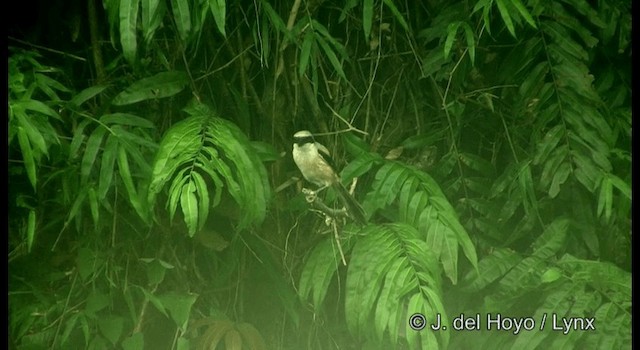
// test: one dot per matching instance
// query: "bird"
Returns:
(314, 161)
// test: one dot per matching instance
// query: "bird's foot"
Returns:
(309, 195)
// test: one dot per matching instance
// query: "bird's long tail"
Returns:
(353, 207)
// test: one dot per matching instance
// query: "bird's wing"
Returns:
(326, 155)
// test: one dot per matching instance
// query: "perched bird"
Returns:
(313, 160)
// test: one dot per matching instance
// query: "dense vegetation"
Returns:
(153, 201)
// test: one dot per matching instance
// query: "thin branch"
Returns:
(48, 49)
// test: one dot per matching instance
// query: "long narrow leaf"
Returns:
(219, 11)
(125, 173)
(126, 119)
(305, 52)
(106, 167)
(161, 85)
(333, 59)
(35, 136)
(397, 14)
(367, 17)
(189, 205)
(152, 13)
(524, 12)
(506, 17)
(128, 25)
(31, 229)
(182, 18)
(85, 95)
(91, 152)
(452, 31)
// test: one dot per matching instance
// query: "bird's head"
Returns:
(302, 137)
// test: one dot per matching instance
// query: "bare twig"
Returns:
(337, 237)
(48, 49)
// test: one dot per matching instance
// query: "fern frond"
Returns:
(422, 204)
(393, 274)
(319, 270)
(490, 268)
(204, 146)
(525, 275)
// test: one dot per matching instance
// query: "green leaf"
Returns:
(94, 206)
(523, 11)
(85, 95)
(76, 206)
(551, 275)
(47, 85)
(126, 119)
(27, 156)
(152, 14)
(175, 191)
(178, 146)
(200, 141)
(477, 163)
(107, 166)
(559, 178)
(471, 41)
(449, 218)
(96, 301)
(359, 166)
(78, 139)
(218, 9)
(70, 325)
(350, 4)
(555, 159)
(586, 172)
(203, 195)
(333, 59)
(621, 185)
(155, 301)
(182, 17)
(128, 25)
(506, 17)
(605, 199)
(125, 175)
(324, 33)
(387, 184)
(371, 257)
(548, 144)
(40, 107)
(551, 239)
(111, 327)
(179, 307)
(88, 263)
(155, 272)
(133, 143)
(452, 30)
(319, 270)
(275, 19)
(133, 342)
(367, 17)
(396, 14)
(433, 62)
(161, 85)
(449, 254)
(490, 269)
(389, 299)
(91, 152)
(189, 204)
(305, 52)
(36, 139)
(31, 229)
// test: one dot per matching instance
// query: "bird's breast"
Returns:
(313, 167)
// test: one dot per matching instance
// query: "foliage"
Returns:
(489, 143)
